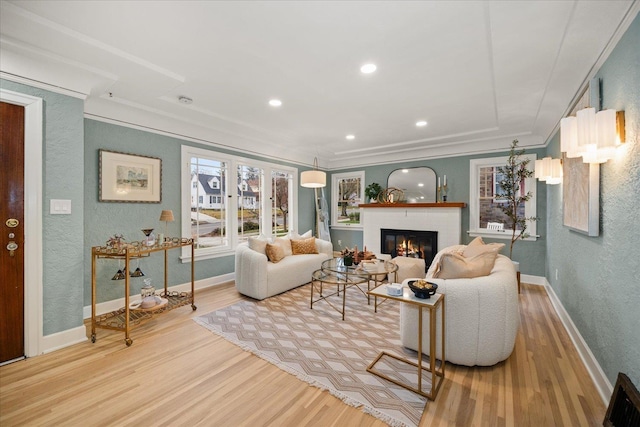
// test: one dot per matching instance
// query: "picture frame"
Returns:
(129, 178)
(581, 196)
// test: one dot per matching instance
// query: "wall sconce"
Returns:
(314, 178)
(549, 170)
(594, 137)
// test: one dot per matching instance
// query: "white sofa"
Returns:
(259, 278)
(482, 317)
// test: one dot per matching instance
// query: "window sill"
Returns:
(209, 255)
(347, 227)
(502, 235)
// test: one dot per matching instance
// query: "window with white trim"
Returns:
(226, 199)
(347, 192)
(484, 208)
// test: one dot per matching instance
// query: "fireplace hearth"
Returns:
(409, 243)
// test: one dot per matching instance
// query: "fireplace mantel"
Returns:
(414, 205)
(445, 218)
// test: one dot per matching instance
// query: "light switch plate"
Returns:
(60, 207)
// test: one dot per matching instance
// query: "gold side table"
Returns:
(431, 305)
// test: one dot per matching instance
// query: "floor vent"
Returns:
(624, 407)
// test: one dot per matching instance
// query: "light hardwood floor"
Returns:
(178, 373)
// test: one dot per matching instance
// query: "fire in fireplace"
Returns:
(409, 243)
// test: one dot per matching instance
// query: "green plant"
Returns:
(373, 190)
(512, 176)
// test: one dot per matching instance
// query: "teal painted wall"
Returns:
(63, 178)
(531, 255)
(106, 219)
(599, 277)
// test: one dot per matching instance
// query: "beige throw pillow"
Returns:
(435, 265)
(258, 244)
(304, 246)
(285, 244)
(456, 266)
(477, 247)
(274, 252)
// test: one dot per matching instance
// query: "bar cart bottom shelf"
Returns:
(115, 320)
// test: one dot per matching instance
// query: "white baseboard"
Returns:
(107, 306)
(76, 335)
(533, 280)
(63, 339)
(604, 387)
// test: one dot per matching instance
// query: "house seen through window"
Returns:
(228, 199)
(347, 192)
(484, 207)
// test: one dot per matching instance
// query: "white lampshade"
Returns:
(313, 179)
(549, 170)
(587, 139)
(592, 136)
(540, 169)
(569, 136)
(606, 137)
(555, 176)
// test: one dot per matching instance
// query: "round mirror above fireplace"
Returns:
(418, 184)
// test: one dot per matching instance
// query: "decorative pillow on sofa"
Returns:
(258, 244)
(478, 246)
(293, 235)
(304, 246)
(274, 252)
(456, 266)
(285, 244)
(436, 260)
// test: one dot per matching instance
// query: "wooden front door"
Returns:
(11, 232)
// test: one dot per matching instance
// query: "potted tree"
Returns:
(512, 176)
(372, 191)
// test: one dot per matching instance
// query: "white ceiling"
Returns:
(480, 72)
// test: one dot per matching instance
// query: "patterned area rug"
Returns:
(318, 347)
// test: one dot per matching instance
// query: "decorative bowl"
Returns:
(422, 289)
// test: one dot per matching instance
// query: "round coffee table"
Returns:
(375, 271)
(341, 279)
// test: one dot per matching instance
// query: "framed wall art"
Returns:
(129, 178)
(581, 196)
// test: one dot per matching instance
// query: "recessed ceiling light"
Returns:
(185, 100)
(405, 170)
(368, 68)
(421, 123)
(350, 137)
(275, 102)
(420, 184)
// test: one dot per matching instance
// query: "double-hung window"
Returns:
(227, 199)
(347, 192)
(484, 207)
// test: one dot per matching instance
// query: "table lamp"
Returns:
(166, 216)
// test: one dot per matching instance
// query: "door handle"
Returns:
(11, 247)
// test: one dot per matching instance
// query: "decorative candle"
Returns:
(438, 181)
(445, 180)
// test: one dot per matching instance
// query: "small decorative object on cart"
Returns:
(116, 242)
(150, 239)
(148, 295)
